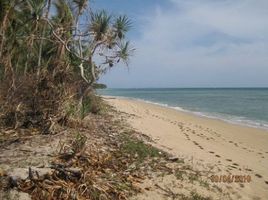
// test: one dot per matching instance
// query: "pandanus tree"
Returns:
(103, 40)
(60, 47)
(100, 37)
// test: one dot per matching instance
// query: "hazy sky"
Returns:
(193, 43)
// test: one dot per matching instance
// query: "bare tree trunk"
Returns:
(93, 79)
(42, 41)
(3, 30)
(26, 64)
(77, 31)
(2, 44)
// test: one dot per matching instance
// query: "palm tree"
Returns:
(107, 40)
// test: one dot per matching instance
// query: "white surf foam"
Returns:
(227, 118)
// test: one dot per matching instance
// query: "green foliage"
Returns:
(4, 7)
(64, 15)
(193, 196)
(99, 86)
(91, 104)
(180, 174)
(137, 148)
(125, 51)
(100, 24)
(122, 25)
(80, 5)
(31, 35)
(36, 8)
(70, 46)
(71, 109)
(78, 143)
(196, 196)
(193, 177)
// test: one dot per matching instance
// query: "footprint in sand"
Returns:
(218, 156)
(200, 147)
(266, 182)
(235, 164)
(249, 170)
(230, 160)
(233, 167)
(212, 152)
(258, 175)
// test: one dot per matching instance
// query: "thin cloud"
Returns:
(200, 43)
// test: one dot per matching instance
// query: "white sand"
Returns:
(232, 149)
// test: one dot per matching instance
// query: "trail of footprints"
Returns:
(187, 131)
(184, 129)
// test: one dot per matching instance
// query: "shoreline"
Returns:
(250, 123)
(227, 148)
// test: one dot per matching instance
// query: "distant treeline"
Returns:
(100, 86)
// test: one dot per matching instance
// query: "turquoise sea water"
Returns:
(245, 106)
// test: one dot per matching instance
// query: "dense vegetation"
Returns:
(52, 52)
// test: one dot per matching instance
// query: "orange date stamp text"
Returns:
(230, 178)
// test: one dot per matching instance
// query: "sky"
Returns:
(192, 43)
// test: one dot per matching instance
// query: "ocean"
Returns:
(247, 106)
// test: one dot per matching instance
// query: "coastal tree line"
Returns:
(52, 52)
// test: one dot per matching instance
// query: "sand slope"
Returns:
(230, 149)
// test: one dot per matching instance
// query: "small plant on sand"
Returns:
(138, 148)
(193, 196)
(78, 144)
(196, 196)
(179, 174)
(91, 104)
(203, 183)
(193, 177)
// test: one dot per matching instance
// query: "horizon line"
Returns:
(264, 87)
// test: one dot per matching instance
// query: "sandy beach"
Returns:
(231, 149)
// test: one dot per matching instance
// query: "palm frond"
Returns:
(121, 26)
(99, 24)
(36, 7)
(64, 14)
(126, 50)
(80, 5)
